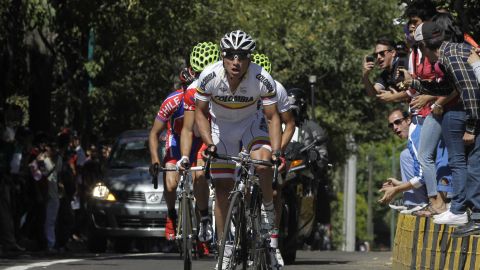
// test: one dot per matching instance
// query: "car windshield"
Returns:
(130, 153)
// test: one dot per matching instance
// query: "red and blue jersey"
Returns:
(171, 112)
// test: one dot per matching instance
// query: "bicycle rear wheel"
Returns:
(186, 232)
(233, 236)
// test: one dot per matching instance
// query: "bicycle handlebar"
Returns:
(249, 160)
(246, 159)
(175, 169)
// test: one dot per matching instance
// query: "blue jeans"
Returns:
(453, 128)
(473, 179)
(51, 213)
(430, 140)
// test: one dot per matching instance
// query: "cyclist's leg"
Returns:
(259, 146)
(226, 136)
(257, 142)
(222, 191)
(170, 184)
(200, 184)
(201, 192)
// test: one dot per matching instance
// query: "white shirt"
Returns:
(256, 85)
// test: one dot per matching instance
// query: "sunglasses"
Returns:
(395, 123)
(240, 55)
(381, 53)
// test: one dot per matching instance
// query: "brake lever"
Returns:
(207, 168)
(155, 175)
(275, 173)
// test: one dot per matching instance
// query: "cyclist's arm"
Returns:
(157, 128)
(274, 126)
(187, 133)
(201, 119)
(289, 121)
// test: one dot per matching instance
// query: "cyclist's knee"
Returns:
(171, 181)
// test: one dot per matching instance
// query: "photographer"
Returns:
(388, 59)
(45, 171)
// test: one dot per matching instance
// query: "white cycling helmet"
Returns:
(237, 40)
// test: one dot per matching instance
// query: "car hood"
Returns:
(134, 179)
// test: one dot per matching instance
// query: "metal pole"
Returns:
(351, 201)
(370, 198)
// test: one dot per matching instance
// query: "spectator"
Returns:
(385, 56)
(8, 240)
(452, 58)
(414, 193)
(46, 168)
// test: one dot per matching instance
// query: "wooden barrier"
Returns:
(421, 244)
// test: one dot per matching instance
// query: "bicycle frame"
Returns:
(251, 247)
(187, 221)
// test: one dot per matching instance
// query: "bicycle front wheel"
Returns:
(186, 232)
(231, 254)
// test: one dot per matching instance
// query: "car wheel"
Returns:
(288, 229)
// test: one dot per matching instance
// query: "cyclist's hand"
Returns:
(183, 163)
(211, 151)
(276, 158)
(154, 169)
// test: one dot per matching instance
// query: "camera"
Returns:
(370, 58)
(401, 65)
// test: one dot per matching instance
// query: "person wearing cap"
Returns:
(452, 60)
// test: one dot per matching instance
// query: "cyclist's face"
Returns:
(236, 63)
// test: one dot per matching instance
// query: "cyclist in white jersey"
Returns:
(228, 91)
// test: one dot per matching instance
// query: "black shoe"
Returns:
(473, 227)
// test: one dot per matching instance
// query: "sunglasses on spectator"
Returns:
(395, 123)
(240, 55)
(381, 53)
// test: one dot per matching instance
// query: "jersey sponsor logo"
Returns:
(242, 99)
(223, 89)
(169, 107)
(206, 80)
(265, 82)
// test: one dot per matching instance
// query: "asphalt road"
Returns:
(145, 261)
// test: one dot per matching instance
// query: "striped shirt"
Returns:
(459, 75)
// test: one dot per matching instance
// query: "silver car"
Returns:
(124, 205)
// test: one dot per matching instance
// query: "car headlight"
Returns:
(101, 192)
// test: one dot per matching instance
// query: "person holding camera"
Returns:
(386, 58)
(45, 171)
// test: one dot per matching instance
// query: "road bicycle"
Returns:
(242, 237)
(186, 230)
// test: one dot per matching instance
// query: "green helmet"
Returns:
(263, 61)
(203, 54)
